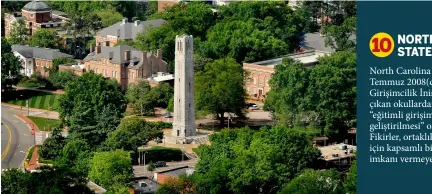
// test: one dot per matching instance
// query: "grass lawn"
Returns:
(29, 84)
(41, 100)
(44, 124)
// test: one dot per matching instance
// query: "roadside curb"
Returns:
(29, 122)
(32, 109)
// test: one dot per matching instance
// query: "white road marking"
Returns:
(22, 152)
(25, 134)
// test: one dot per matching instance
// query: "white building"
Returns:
(26, 63)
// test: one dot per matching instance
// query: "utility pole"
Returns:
(182, 151)
(28, 107)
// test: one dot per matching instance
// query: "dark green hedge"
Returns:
(158, 153)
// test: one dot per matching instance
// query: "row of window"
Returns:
(114, 73)
(259, 80)
(42, 63)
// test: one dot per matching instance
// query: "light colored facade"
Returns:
(125, 64)
(36, 59)
(166, 3)
(36, 15)
(184, 107)
(257, 84)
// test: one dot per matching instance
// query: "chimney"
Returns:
(107, 43)
(159, 53)
(137, 22)
(98, 49)
(118, 32)
(124, 20)
(127, 55)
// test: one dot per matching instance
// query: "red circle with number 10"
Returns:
(381, 44)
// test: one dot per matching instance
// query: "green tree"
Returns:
(18, 32)
(161, 94)
(351, 179)
(323, 96)
(108, 168)
(248, 161)
(45, 38)
(61, 78)
(76, 156)
(170, 107)
(138, 96)
(15, 181)
(10, 65)
(132, 133)
(288, 87)
(332, 91)
(52, 146)
(341, 38)
(150, 166)
(225, 93)
(61, 61)
(315, 182)
(109, 17)
(92, 107)
(119, 189)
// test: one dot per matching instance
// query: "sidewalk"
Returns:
(41, 90)
(33, 111)
(34, 160)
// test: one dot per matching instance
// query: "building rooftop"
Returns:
(38, 52)
(314, 41)
(161, 78)
(337, 151)
(117, 55)
(126, 30)
(307, 57)
(145, 186)
(36, 6)
(178, 171)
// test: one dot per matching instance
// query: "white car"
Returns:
(254, 107)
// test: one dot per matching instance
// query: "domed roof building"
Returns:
(36, 14)
(36, 6)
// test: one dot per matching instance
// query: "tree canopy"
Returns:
(10, 65)
(111, 168)
(144, 98)
(225, 93)
(92, 107)
(132, 133)
(315, 182)
(247, 161)
(45, 38)
(323, 96)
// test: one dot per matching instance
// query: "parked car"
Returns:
(254, 107)
(249, 105)
(159, 164)
(168, 115)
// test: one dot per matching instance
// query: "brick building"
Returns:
(125, 30)
(163, 4)
(36, 59)
(36, 15)
(257, 84)
(125, 64)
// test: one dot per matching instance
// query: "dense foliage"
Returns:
(144, 98)
(110, 169)
(10, 65)
(225, 93)
(315, 182)
(247, 161)
(324, 96)
(91, 107)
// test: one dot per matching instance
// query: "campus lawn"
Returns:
(44, 124)
(41, 100)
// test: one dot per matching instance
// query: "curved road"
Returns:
(16, 138)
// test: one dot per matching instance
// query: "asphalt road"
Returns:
(142, 170)
(15, 139)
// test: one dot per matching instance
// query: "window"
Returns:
(37, 63)
(260, 82)
(96, 70)
(189, 105)
(254, 80)
(132, 75)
